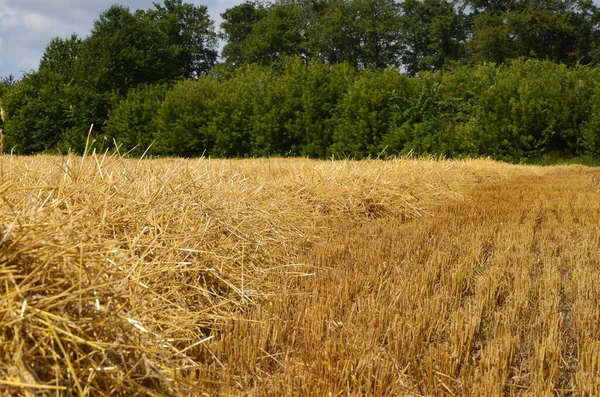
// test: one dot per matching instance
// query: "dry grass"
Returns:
(297, 277)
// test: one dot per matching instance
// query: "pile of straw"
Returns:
(115, 274)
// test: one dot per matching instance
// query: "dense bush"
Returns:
(365, 114)
(184, 119)
(254, 111)
(38, 113)
(133, 121)
(519, 112)
(295, 116)
(590, 128)
(235, 109)
(534, 108)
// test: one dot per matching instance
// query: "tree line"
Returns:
(512, 79)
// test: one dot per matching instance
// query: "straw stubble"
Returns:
(297, 277)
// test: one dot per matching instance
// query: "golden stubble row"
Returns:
(130, 277)
(495, 294)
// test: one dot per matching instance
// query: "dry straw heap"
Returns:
(127, 277)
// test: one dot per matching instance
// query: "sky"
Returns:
(27, 26)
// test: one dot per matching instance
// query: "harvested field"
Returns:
(297, 277)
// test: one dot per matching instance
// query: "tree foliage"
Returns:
(133, 121)
(561, 31)
(512, 79)
(190, 30)
(365, 115)
(39, 108)
(433, 35)
(184, 117)
(238, 25)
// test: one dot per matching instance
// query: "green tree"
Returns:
(36, 112)
(543, 30)
(433, 34)
(60, 56)
(238, 24)
(560, 31)
(190, 29)
(492, 40)
(277, 35)
(40, 107)
(323, 89)
(259, 34)
(6, 84)
(494, 7)
(533, 109)
(123, 51)
(363, 33)
(590, 129)
(78, 82)
(441, 117)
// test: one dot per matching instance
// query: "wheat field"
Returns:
(293, 277)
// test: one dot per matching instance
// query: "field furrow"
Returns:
(496, 294)
(298, 278)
